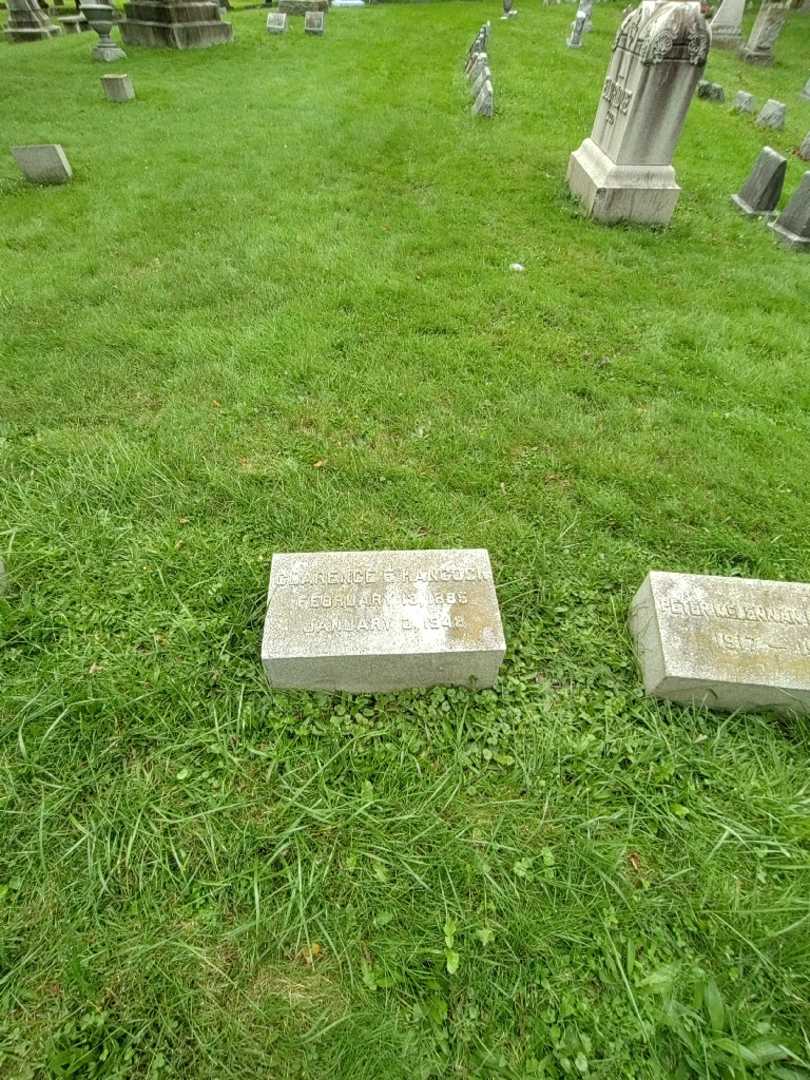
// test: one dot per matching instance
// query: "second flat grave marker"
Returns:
(726, 643)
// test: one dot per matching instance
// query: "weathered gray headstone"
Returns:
(805, 93)
(743, 102)
(804, 149)
(574, 40)
(45, 163)
(484, 104)
(792, 227)
(376, 621)
(767, 27)
(624, 170)
(760, 192)
(727, 24)
(484, 75)
(314, 22)
(118, 87)
(711, 91)
(727, 643)
(772, 115)
(277, 22)
(477, 66)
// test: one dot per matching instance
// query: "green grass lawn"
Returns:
(274, 312)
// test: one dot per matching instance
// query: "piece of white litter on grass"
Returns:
(519, 267)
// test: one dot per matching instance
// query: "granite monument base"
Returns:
(185, 25)
(647, 194)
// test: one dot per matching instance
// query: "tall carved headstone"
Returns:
(769, 22)
(727, 24)
(28, 22)
(176, 24)
(624, 170)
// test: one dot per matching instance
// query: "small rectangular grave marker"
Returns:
(45, 163)
(377, 621)
(118, 87)
(743, 102)
(727, 643)
(772, 115)
(277, 22)
(314, 22)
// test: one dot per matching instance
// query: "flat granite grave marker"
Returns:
(44, 163)
(727, 643)
(760, 192)
(314, 22)
(792, 227)
(277, 22)
(377, 621)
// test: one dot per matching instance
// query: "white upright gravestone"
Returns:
(624, 170)
(727, 24)
(375, 621)
(728, 643)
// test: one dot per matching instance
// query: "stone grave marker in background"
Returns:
(726, 643)
(118, 87)
(711, 91)
(477, 86)
(767, 27)
(624, 170)
(276, 22)
(772, 115)
(28, 22)
(792, 226)
(484, 104)
(804, 149)
(805, 93)
(743, 102)
(301, 7)
(194, 25)
(44, 163)
(574, 40)
(760, 192)
(314, 22)
(727, 24)
(377, 621)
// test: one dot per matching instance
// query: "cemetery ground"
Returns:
(274, 312)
